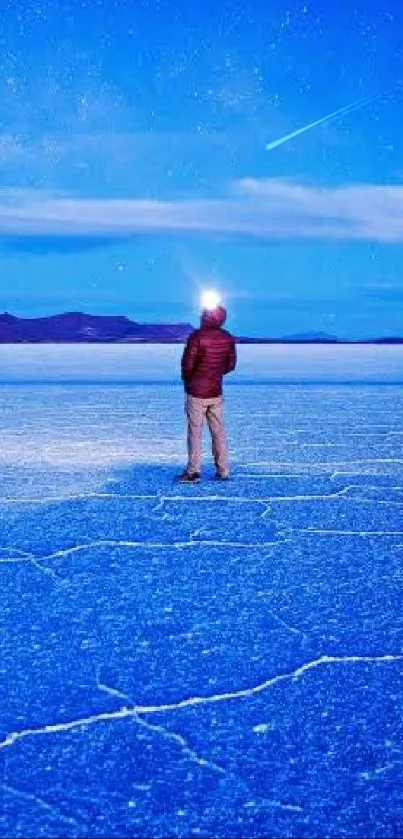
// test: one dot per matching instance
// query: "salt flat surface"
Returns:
(208, 661)
(148, 363)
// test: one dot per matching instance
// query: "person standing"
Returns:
(210, 353)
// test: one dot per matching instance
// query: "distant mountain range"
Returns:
(77, 327)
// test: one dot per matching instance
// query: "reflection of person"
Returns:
(210, 354)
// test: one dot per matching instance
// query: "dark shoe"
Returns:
(188, 477)
(219, 477)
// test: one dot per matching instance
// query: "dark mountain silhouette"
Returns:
(312, 337)
(78, 327)
(391, 340)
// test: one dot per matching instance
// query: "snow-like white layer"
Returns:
(132, 362)
(283, 429)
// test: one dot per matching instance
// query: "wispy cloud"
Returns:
(266, 209)
(382, 293)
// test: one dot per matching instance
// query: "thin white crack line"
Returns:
(275, 803)
(267, 477)
(244, 499)
(279, 475)
(163, 732)
(202, 498)
(111, 691)
(57, 728)
(111, 543)
(376, 486)
(380, 770)
(294, 675)
(317, 532)
(286, 625)
(23, 554)
(325, 463)
(186, 750)
(352, 498)
(193, 701)
(76, 497)
(160, 505)
(197, 543)
(266, 511)
(41, 802)
(15, 560)
(375, 501)
(43, 569)
(195, 533)
(346, 473)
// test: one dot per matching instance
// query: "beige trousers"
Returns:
(197, 410)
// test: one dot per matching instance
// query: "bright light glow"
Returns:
(210, 300)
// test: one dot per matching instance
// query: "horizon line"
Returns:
(304, 337)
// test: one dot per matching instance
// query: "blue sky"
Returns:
(134, 168)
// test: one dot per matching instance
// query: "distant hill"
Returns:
(391, 340)
(312, 338)
(78, 327)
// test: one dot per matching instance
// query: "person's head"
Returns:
(213, 318)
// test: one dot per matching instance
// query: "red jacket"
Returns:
(209, 354)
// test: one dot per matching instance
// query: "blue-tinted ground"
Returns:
(213, 661)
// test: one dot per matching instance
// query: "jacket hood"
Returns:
(213, 318)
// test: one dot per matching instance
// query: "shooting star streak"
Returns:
(347, 109)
